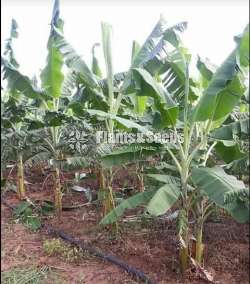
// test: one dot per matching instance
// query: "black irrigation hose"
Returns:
(130, 269)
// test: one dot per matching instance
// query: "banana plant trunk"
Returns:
(20, 178)
(184, 258)
(199, 249)
(108, 198)
(57, 192)
(101, 188)
(110, 205)
(101, 178)
(184, 249)
(140, 179)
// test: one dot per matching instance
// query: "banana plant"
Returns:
(198, 186)
(52, 79)
(107, 98)
(48, 101)
(14, 139)
(13, 135)
(89, 85)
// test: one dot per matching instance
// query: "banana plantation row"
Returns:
(205, 171)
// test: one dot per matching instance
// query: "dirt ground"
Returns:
(150, 246)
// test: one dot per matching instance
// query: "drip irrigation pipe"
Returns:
(93, 251)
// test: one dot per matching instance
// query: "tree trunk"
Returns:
(184, 249)
(199, 248)
(102, 192)
(183, 258)
(20, 178)
(58, 193)
(108, 201)
(101, 179)
(140, 179)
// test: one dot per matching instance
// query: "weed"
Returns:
(55, 247)
(24, 276)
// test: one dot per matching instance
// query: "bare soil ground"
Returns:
(150, 246)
